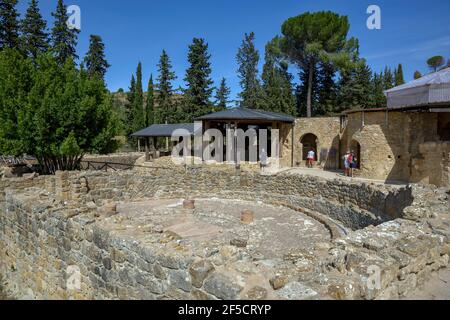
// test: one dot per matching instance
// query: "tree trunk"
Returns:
(50, 165)
(309, 96)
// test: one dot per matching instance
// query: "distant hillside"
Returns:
(120, 99)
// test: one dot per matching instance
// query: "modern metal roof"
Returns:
(432, 89)
(247, 114)
(164, 130)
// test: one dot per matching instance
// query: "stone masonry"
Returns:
(48, 224)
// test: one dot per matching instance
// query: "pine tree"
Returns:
(399, 78)
(312, 38)
(95, 60)
(302, 92)
(363, 86)
(417, 75)
(165, 113)
(150, 103)
(9, 25)
(63, 39)
(356, 88)
(34, 31)
(222, 96)
(248, 59)
(198, 80)
(327, 91)
(278, 92)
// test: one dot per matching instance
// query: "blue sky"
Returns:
(138, 30)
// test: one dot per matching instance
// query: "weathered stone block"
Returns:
(256, 293)
(247, 217)
(199, 271)
(180, 279)
(222, 287)
(296, 291)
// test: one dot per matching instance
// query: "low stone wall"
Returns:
(356, 205)
(56, 223)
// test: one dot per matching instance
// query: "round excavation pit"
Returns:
(274, 231)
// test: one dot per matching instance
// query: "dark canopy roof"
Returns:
(163, 130)
(247, 114)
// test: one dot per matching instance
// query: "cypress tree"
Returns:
(388, 79)
(132, 91)
(399, 78)
(63, 39)
(417, 75)
(9, 25)
(34, 31)
(198, 79)
(165, 113)
(222, 96)
(95, 60)
(129, 106)
(150, 104)
(379, 99)
(138, 116)
(248, 59)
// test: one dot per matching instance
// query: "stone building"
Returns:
(407, 142)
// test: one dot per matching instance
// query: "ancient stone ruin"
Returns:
(213, 234)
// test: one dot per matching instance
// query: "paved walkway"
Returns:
(337, 175)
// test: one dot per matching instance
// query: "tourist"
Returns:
(350, 162)
(347, 164)
(311, 158)
(354, 163)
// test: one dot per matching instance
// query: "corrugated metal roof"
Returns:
(247, 114)
(431, 89)
(164, 130)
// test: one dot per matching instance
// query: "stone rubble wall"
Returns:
(356, 205)
(53, 224)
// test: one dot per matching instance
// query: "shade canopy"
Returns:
(164, 130)
(432, 89)
(240, 114)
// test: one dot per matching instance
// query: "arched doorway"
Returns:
(355, 147)
(309, 142)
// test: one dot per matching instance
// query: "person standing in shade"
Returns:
(311, 158)
(350, 161)
(354, 163)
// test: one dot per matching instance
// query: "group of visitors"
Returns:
(350, 163)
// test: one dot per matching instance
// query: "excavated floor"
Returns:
(274, 232)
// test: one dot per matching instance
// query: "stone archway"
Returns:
(355, 147)
(309, 142)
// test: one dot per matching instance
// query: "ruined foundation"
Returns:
(209, 234)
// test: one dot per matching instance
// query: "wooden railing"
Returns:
(114, 166)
